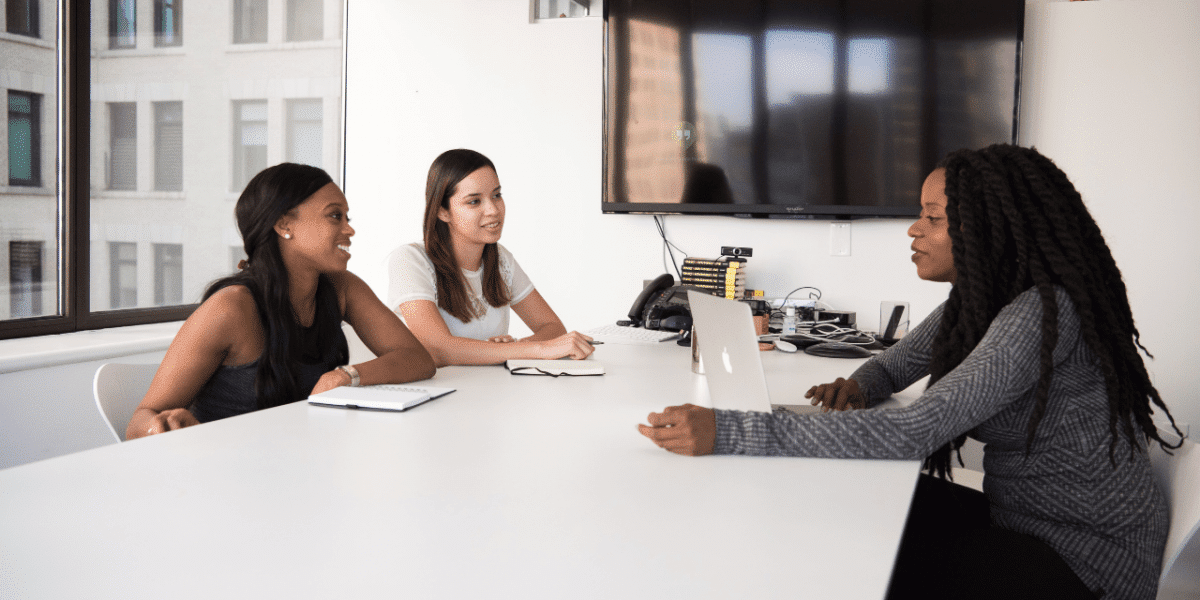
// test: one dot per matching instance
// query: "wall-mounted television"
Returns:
(800, 108)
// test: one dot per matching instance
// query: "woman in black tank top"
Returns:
(271, 333)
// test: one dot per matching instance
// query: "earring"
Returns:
(287, 236)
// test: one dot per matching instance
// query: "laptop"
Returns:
(724, 331)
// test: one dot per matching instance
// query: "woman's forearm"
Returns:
(398, 366)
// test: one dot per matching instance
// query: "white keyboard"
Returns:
(631, 335)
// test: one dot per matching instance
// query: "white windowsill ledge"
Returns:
(82, 346)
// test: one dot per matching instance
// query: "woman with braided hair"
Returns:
(1035, 354)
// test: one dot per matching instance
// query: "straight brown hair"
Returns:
(447, 170)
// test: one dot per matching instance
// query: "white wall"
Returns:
(1110, 93)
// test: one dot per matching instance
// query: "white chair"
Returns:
(1178, 476)
(119, 390)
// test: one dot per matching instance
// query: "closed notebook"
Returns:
(554, 368)
(378, 397)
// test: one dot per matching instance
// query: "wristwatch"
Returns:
(352, 372)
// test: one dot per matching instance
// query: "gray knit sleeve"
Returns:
(901, 365)
(1001, 368)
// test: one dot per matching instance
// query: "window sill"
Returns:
(275, 46)
(82, 346)
(127, 52)
(22, 190)
(27, 40)
(134, 195)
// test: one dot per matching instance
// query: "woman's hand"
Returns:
(689, 429)
(162, 422)
(842, 394)
(573, 345)
(330, 380)
(502, 339)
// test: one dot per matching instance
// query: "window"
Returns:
(304, 132)
(122, 24)
(122, 275)
(168, 274)
(168, 23)
(305, 20)
(25, 278)
(249, 21)
(249, 141)
(122, 127)
(22, 17)
(24, 139)
(168, 146)
(150, 145)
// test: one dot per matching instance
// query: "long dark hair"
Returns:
(451, 167)
(1016, 223)
(270, 195)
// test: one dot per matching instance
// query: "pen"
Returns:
(595, 342)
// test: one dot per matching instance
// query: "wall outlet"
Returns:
(839, 238)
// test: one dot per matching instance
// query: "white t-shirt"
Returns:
(411, 277)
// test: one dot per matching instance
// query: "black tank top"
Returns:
(230, 390)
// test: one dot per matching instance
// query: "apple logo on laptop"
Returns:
(725, 359)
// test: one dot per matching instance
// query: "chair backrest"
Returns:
(119, 390)
(1178, 476)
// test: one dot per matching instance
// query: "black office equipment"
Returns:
(800, 109)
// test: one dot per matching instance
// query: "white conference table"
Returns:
(513, 486)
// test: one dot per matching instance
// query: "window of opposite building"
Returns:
(305, 20)
(122, 24)
(122, 146)
(249, 21)
(168, 146)
(168, 22)
(168, 274)
(22, 17)
(249, 141)
(24, 139)
(25, 278)
(304, 131)
(122, 274)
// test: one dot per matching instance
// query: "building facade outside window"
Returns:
(168, 274)
(305, 20)
(249, 141)
(168, 23)
(22, 17)
(305, 131)
(122, 24)
(249, 21)
(122, 261)
(24, 139)
(25, 278)
(168, 146)
(122, 145)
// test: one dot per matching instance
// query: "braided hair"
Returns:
(1016, 222)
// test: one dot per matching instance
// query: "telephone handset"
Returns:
(662, 305)
(652, 291)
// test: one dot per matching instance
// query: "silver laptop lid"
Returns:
(729, 349)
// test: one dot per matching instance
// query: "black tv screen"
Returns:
(800, 108)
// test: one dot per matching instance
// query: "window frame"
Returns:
(73, 29)
(74, 193)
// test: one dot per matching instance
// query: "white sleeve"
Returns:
(410, 276)
(519, 285)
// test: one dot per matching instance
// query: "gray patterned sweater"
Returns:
(1109, 524)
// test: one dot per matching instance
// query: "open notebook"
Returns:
(554, 368)
(378, 397)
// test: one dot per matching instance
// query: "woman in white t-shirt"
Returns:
(454, 291)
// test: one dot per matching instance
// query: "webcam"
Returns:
(736, 251)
